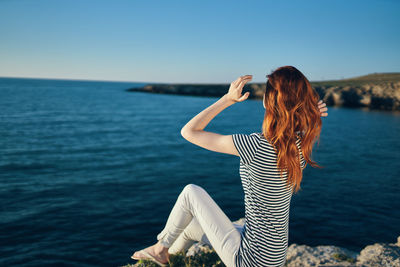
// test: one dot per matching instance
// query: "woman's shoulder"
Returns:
(260, 136)
(262, 139)
(257, 134)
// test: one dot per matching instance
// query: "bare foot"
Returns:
(162, 257)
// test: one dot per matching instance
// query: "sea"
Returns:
(89, 172)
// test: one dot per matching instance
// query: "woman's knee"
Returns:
(191, 193)
(191, 188)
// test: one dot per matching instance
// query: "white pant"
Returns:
(196, 217)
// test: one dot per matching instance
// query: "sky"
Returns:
(197, 41)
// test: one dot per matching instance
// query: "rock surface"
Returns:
(385, 96)
(373, 91)
(378, 254)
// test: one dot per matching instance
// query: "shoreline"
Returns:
(372, 91)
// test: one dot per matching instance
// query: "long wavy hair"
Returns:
(291, 110)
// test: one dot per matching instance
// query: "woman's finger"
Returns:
(240, 85)
(323, 109)
(243, 82)
(241, 78)
(245, 77)
(237, 81)
(244, 96)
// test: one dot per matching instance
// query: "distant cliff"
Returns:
(374, 91)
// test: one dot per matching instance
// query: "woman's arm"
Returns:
(201, 120)
(194, 132)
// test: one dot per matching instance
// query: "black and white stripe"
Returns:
(267, 202)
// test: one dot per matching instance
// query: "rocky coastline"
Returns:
(379, 91)
(378, 254)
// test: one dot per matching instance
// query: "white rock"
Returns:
(380, 254)
(303, 256)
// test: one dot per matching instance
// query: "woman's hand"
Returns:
(322, 108)
(235, 90)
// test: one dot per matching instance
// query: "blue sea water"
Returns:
(89, 172)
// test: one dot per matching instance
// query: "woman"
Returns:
(271, 165)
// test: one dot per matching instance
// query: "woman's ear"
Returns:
(264, 100)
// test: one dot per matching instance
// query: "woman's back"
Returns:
(267, 202)
(268, 177)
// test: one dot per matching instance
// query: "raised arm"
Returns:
(194, 132)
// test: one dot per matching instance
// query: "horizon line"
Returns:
(122, 81)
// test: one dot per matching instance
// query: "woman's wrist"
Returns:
(228, 100)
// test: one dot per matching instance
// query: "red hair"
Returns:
(291, 107)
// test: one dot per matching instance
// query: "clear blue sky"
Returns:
(197, 41)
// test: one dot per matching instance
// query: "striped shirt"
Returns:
(264, 239)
